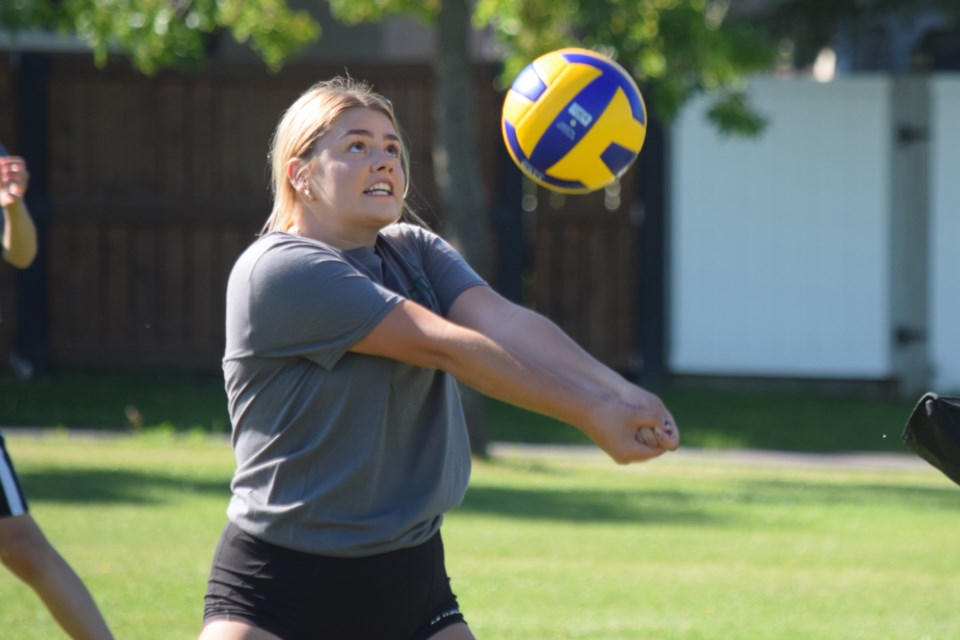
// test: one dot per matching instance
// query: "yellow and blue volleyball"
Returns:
(574, 120)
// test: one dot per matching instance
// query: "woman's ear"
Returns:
(294, 175)
(297, 175)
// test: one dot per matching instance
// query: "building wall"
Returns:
(778, 244)
(794, 254)
(944, 234)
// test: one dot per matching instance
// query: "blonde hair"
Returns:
(307, 120)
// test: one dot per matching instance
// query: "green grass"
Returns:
(708, 418)
(687, 547)
(115, 401)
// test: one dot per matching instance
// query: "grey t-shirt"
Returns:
(339, 453)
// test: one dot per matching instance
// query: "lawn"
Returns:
(707, 417)
(695, 545)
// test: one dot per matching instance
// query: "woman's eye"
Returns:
(394, 150)
(357, 146)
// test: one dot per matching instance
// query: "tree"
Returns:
(675, 48)
(165, 33)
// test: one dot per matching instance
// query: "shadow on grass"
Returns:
(587, 505)
(782, 492)
(92, 486)
(699, 506)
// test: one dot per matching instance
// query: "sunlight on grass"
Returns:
(687, 547)
(675, 549)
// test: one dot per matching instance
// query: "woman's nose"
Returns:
(385, 161)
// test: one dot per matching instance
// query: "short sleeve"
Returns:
(299, 298)
(447, 271)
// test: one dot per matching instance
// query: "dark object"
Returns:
(933, 432)
(3, 150)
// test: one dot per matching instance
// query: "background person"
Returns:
(346, 332)
(24, 549)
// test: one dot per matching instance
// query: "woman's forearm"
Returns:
(412, 334)
(536, 338)
(19, 235)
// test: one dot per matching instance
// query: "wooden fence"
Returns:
(8, 277)
(157, 184)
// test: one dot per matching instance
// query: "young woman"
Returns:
(24, 549)
(346, 333)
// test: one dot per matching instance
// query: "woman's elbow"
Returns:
(20, 259)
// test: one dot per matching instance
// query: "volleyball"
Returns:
(574, 120)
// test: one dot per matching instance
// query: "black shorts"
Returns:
(12, 500)
(400, 595)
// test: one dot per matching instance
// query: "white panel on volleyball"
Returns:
(779, 244)
(944, 323)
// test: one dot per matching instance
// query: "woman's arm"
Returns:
(537, 339)
(19, 233)
(626, 431)
(521, 331)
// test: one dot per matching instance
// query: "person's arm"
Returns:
(413, 334)
(19, 232)
(538, 339)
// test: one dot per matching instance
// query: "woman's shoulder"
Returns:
(276, 252)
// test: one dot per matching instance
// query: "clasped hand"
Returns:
(13, 179)
(636, 426)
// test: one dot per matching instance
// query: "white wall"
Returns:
(944, 292)
(779, 246)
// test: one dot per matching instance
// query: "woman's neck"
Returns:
(346, 239)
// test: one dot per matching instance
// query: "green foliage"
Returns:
(165, 33)
(357, 11)
(733, 115)
(674, 48)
